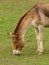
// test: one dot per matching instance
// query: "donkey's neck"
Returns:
(24, 24)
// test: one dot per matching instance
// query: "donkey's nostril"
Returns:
(16, 52)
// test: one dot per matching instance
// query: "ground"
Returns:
(10, 12)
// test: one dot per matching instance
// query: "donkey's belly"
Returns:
(46, 24)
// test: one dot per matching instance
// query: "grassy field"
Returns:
(10, 12)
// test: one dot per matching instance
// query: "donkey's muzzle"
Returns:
(16, 52)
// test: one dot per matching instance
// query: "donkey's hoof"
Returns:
(40, 53)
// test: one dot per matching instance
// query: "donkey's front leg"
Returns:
(40, 28)
(37, 38)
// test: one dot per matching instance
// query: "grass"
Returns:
(10, 12)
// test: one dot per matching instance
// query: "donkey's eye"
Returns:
(13, 37)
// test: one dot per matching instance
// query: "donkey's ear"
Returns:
(10, 33)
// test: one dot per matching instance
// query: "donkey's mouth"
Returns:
(16, 52)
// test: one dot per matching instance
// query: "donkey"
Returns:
(37, 17)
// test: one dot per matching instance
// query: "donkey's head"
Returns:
(18, 43)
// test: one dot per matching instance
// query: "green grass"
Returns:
(10, 12)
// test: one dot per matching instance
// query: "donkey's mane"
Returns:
(22, 18)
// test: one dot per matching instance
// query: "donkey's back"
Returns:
(44, 14)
